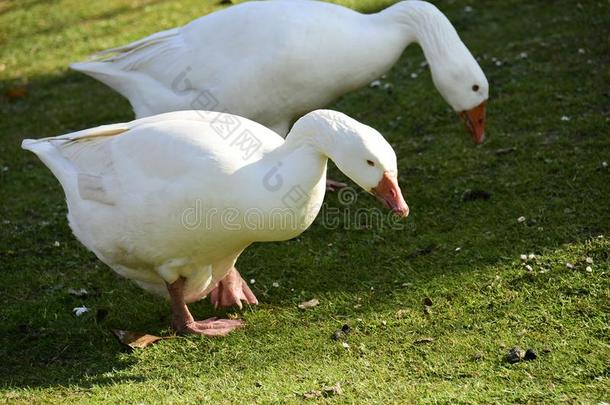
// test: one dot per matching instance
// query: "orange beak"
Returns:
(475, 122)
(388, 192)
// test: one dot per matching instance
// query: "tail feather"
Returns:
(61, 168)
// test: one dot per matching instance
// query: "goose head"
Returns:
(464, 86)
(455, 72)
(360, 152)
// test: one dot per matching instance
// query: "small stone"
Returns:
(523, 257)
(413, 75)
(388, 86)
(56, 244)
(515, 355)
(569, 266)
(427, 310)
(252, 281)
(375, 84)
(589, 269)
(5, 168)
(565, 118)
(529, 268)
(276, 284)
(457, 249)
(468, 9)
(531, 256)
(604, 164)
(499, 63)
(345, 345)
(589, 260)
(523, 55)
(581, 51)
(521, 219)
(530, 354)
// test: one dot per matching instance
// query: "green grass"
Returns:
(484, 300)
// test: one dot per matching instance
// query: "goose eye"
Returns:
(370, 163)
(475, 87)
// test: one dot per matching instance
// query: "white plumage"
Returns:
(182, 194)
(273, 61)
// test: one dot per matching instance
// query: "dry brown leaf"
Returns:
(314, 302)
(424, 340)
(16, 92)
(135, 340)
(325, 392)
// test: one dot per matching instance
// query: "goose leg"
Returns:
(183, 321)
(332, 185)
(231, 291)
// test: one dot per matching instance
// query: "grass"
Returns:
(463, 255)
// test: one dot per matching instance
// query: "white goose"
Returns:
(171, 201)
(273, 61)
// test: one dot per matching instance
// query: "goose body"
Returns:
(273, 61)
(168, 199)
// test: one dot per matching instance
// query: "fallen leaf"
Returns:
(135, 340)
(334, 390)
(80, 292)
(16, 92)
(312, 394)
(325, 392)
(314, 302)
(505, 151)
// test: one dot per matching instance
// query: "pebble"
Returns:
(56, 244)
(515, 355)
(252, 281)
(375, 83)
(523, 257)
(276, 284)
(468, 9)
(413, 75)
(565, 118)
(531, 256)
(521, 219)
(589, 260)
(569, 265)
(529, 268)
(589, 269)
(523, 55)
